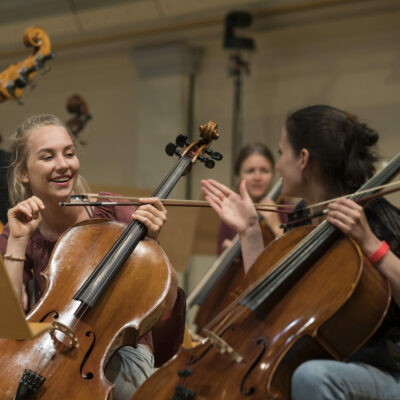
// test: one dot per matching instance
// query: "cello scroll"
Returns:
(195, 151)
(77, 105)
(17, 76)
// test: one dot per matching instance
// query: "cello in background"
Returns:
(16, 77)
(77, 105)
(283, 318)
(217, 288)
(104, 282)
(13, 80)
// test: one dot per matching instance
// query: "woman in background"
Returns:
(255, 165)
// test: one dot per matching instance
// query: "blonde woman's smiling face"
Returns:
(52, 165)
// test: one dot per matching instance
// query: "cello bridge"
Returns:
(222, 347)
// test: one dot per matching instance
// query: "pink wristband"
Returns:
(379, 253)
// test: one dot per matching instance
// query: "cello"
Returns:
(77, 105)
(283, 318)
(16, 77)
(218, 288)
(13, 80)
(105, 285)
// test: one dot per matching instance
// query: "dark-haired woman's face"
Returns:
(257, 171)
(289, 167)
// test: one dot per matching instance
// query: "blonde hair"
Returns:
(18, 190)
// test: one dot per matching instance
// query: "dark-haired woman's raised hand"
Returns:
(238, 212)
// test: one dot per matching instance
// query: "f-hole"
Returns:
(252, 389)
(88, 375)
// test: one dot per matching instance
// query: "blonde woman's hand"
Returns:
(152, 214)
(24, 218)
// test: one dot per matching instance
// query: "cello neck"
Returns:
(276, 190)
(98, 281)
(95, 285)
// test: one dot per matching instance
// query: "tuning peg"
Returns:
(217, 156)
(21, 82)
(170, 149)
(214, 154)
(207, 162)
(181, 140)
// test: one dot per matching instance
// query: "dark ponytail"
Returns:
(339, 145)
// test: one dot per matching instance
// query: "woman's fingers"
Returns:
(25, 217)
(349, 217)
(152, 214)
(216, 189)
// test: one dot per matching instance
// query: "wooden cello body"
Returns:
(311, 295)
(252, 354)
(125, 311)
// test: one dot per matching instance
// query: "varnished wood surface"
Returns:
(328, 313)
(130, 306)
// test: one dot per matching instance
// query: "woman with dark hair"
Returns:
(325, 153)
(255, 165)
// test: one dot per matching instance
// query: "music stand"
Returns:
(13, 324)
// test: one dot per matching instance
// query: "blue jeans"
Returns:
(335, 380)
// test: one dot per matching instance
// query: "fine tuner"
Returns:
(181, 141)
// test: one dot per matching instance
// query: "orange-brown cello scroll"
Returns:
(313, 295)
(103, 282)
(17, 76)
(77, 105)
(218, 288)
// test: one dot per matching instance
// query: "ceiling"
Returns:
(73, 22)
